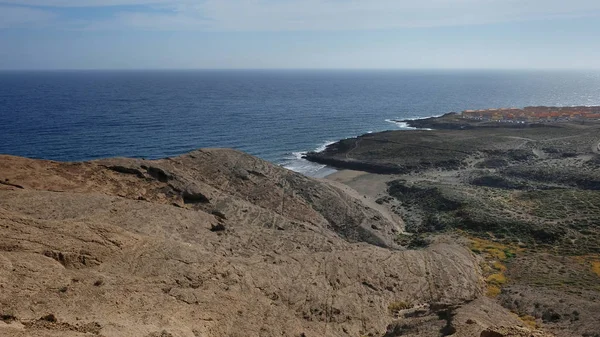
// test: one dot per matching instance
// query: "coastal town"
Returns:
(535, 114)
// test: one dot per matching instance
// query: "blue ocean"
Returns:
(273, 114)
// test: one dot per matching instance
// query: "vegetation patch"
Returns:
(496, 181)
(529, 321)
(497, 265)
(494, 256)
(431, 198)
(561, 175)
(493, 290)
(564, 220)
(498, 279)
(596, 267)
(494, 250)
(492, 163)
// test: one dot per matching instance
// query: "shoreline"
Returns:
(302, 155)
(447, 125)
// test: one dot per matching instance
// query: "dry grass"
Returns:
(499, 266)
(493, 268)
(529, 321)
(596, 267)
(593, 260)
(493, 249)
(493, 290)
(496, 279)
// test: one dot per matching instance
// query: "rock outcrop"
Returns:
(217, 243)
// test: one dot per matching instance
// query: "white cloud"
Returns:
(85, 3)
(316, 15)
(275, 15)
(13, 16)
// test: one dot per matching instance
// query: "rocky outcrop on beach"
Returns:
(220, 243)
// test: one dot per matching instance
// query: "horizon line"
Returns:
(296, 69)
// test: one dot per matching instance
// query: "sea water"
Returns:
(273, 114)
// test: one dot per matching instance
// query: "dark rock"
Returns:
(126, 170)
(398, 329)
(219, 214)
(217, 228)
(192, 195)
(7, 318)
(49, 318)
(159, 174)
(490, 333)
(5, 182)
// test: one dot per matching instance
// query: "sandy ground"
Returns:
(369, 187)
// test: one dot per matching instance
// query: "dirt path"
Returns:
(356, 143)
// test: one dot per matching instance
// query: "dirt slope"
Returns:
(218, 243)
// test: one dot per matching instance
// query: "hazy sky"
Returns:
(116, 34)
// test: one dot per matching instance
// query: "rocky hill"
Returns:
(219, 243)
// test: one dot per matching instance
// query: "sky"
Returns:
(304, 34)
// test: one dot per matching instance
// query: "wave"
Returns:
(320, 148)
(296, 163)
(401, 125)
(421, 117)
(323, 146)
(405, 126)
